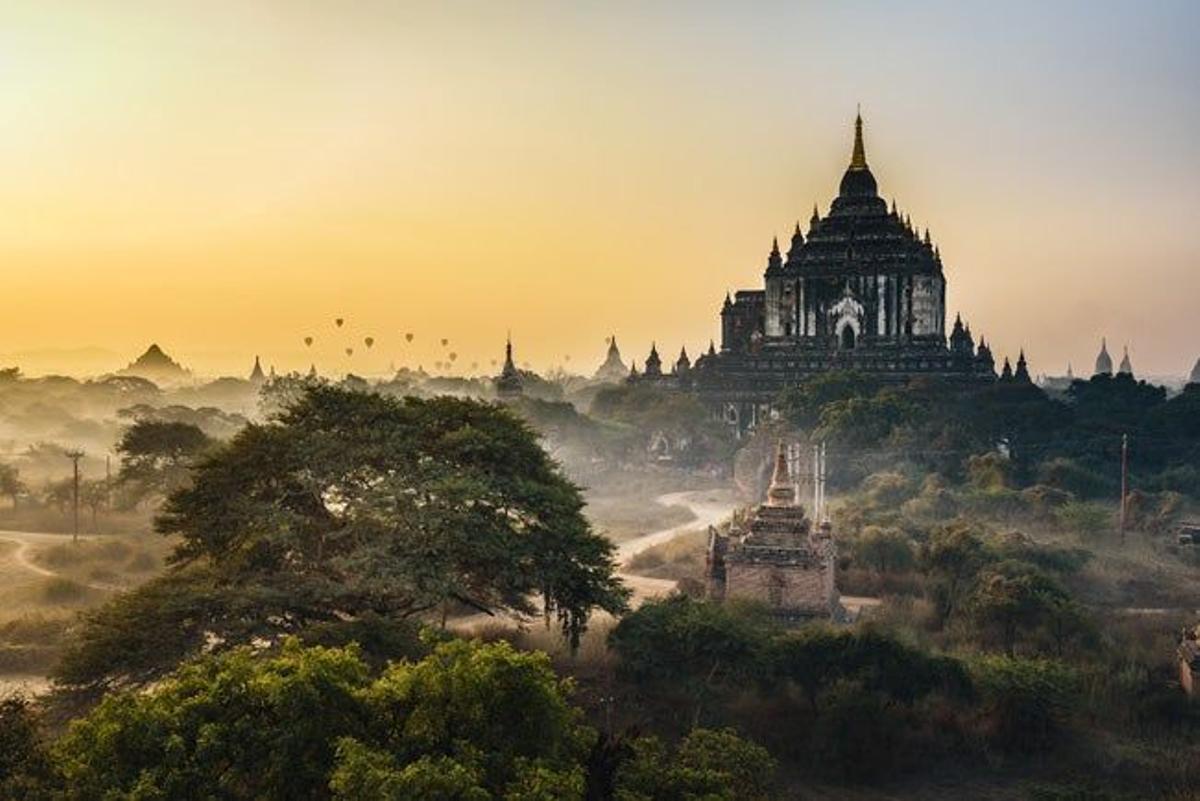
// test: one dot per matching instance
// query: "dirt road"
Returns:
(21, 556)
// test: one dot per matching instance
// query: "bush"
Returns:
(1085, 519)
(63, 591)
(1070, 476)
(1025, 701)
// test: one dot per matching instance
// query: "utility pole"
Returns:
(75, 456)
(1124, 481)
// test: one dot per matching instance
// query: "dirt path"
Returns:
(21, 556)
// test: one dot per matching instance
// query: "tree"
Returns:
(1013, 595)
(236, 726)
(953, 555)
(349, 504)
(1024, 700)
(26, 767)
(709, 765)
(156, 456)
(11, 485)
(884, 550)
(695, 648)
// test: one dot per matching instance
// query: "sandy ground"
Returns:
(26, 540)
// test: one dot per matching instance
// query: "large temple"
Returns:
(861, 291)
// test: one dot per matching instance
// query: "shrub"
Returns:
(63, 591)
(1025, 701)
(1070, 476)
(1085, 519)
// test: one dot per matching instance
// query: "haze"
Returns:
(227, 178)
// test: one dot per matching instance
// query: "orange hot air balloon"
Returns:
(369, 341)
(338, 322)
(445, 342)
(453, 356)
(409, 337)
(349, 351)
(308, 341)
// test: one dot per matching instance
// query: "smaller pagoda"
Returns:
(777, 557)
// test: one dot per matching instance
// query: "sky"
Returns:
(228, 178)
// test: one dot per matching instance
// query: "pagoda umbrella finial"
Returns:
(858, 159)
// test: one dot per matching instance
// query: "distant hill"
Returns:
(157, 366)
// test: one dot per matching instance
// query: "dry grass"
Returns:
(679, 558)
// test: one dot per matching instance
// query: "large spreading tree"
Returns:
(348, 506)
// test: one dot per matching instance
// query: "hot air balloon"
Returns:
(445, 342)
(453, 356)
(338, 322)
(409, 337)
(474, 365)
(493, 362)
(308, 341)
(349, 351)
(369, 341)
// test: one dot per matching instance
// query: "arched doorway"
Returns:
(848, 337)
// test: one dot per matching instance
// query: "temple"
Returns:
(613, 369)
(776, 556)
(509, 383)
(861, 291)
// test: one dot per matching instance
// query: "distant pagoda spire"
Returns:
(509, 384)
(257, 376)
(1022, 373)
(814, 219)
(683, 363)
(1104, 365)
(1126, 367)
(774, 260)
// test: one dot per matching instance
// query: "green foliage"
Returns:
(679, 416)
(469, 721)
(819, 656)
(156, 456)
(1070, 476)
(989, 471)
(802, 405)
(484, 705)
(1025, 702)
(349, 504)
(883, 550)
(1013, 596)
(26, 769)
(1087, 519)
(709, 765)
(237, 726)
(695, 648)
(952, 557)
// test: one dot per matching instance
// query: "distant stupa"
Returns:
(1103, 361)
(613, 368)
(1126, 367)
(256, 375)
(157, 366)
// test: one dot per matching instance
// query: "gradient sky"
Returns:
(226, 178)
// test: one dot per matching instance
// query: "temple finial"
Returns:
(858, 160)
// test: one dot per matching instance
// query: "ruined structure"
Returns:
(613, 369)
(776, 556)
(862, 291)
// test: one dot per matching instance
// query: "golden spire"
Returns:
(858, 161)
